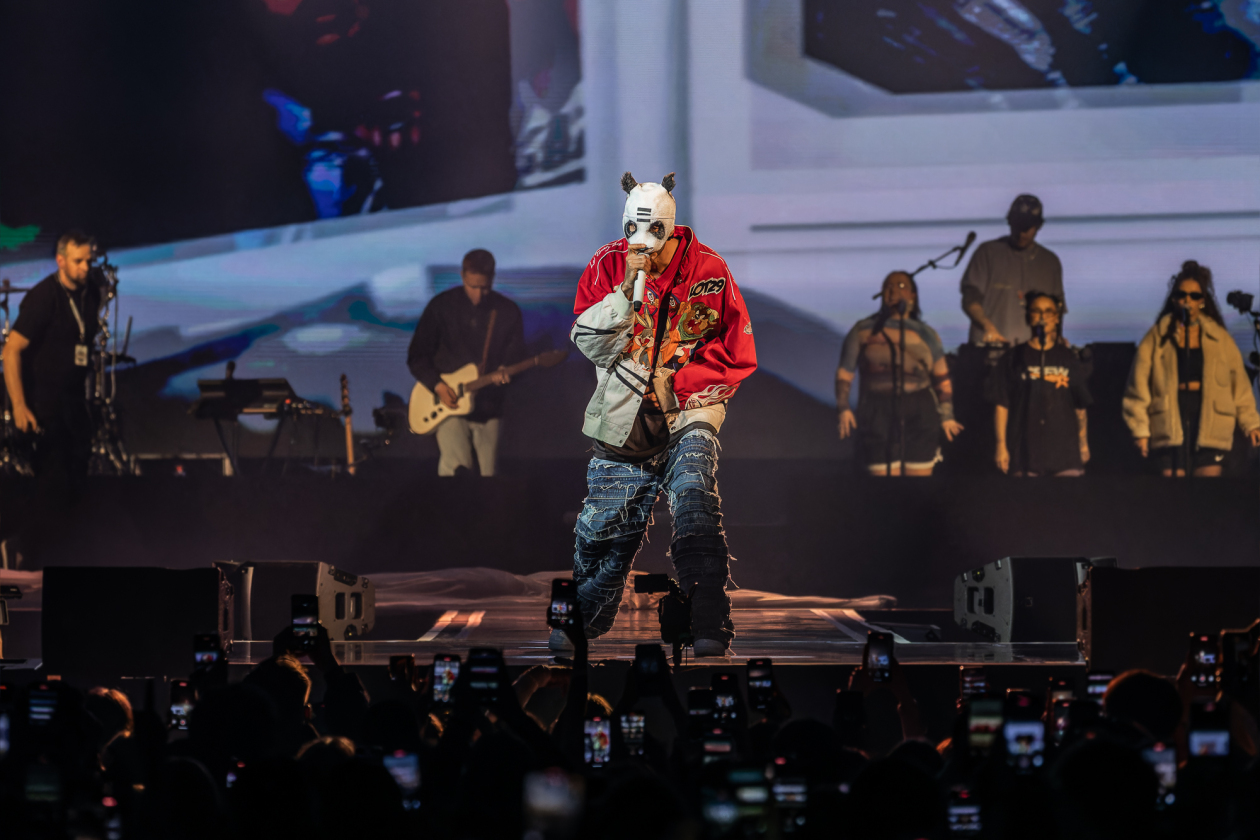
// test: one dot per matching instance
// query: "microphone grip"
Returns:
(640, 281)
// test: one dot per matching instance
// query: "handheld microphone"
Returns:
(1039, 330)
(640, 281)
(901, 308)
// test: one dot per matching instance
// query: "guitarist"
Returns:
(665, 374)
(470, 323)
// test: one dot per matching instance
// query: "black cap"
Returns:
(1025, 213)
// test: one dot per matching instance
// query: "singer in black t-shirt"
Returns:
(1040, 397)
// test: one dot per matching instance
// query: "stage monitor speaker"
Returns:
(1022, 599)
(1143, 618)
(347, 602)
(130, 621)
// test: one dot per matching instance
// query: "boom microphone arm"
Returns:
(961, 250)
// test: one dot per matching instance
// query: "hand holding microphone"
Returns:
(637, 263)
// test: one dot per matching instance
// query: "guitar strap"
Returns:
(485, 351)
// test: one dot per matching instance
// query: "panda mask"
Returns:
(648, 220)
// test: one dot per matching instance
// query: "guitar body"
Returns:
(425, 412)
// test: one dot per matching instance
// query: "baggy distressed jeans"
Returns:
(615, 516)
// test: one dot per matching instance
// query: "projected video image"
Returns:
(197, 119)
(912, 46)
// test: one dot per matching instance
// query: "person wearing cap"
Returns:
(1002, 271)
(670, 350)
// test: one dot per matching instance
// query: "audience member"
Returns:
(239, 775)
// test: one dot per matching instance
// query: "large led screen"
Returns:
(155, 121)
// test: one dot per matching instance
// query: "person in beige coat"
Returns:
(1187, 388)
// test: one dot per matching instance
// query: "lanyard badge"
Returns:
(80, 349)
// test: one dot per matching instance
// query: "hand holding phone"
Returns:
(562, 611)
(597, 748)
(445, 673)
(760, 681)
(402, 670)
(207, 650)
(633, 727)
(183, 700)
(878, 656)
(487, 676)
(1203, 662)
(728, 706)
(972, 682)
(651, 669)
(305, 618)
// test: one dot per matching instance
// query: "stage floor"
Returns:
(801, 636)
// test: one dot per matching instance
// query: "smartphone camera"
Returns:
(1163, 760)
(207, 650)
(879, 654)
(404, 767)
(650, 667)
(791, 798)
(402, 670)
(1025, 744)
(562, 612)
(41, 705)
(633, 732)
(964, 813)
(1096, 683)
(183, 699)
(717, 746)
(553, 803)
(972, 681)
(485, 675)
(305, 612)
(984, 721)
(725, 700)
(1209, 730)
(597, 748)
(445, 673)
(760, 681)
(1205, 659)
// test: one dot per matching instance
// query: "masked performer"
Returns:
(664, 374)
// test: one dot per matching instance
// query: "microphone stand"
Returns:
(899, 383)
(1040, 332)
(896, 420)
(1185, 365)
(961, 250)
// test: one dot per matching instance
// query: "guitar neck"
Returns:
(488, 379)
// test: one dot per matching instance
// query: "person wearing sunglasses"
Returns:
(1187, 388)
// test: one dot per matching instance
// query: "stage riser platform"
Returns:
(794, 527)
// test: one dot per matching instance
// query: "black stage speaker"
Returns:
(1022, 599)
(1143, 618)
(347, 602)
(130, 621)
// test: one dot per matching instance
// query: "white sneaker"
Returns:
(559, 642)
(710, 647)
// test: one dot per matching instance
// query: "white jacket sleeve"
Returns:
(604, 330)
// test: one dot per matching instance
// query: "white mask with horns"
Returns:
(648, 220)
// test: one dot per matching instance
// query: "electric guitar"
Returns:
(426, 411)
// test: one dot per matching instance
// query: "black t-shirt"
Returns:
(1042, 433)
(50, 378)
(452, 333)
